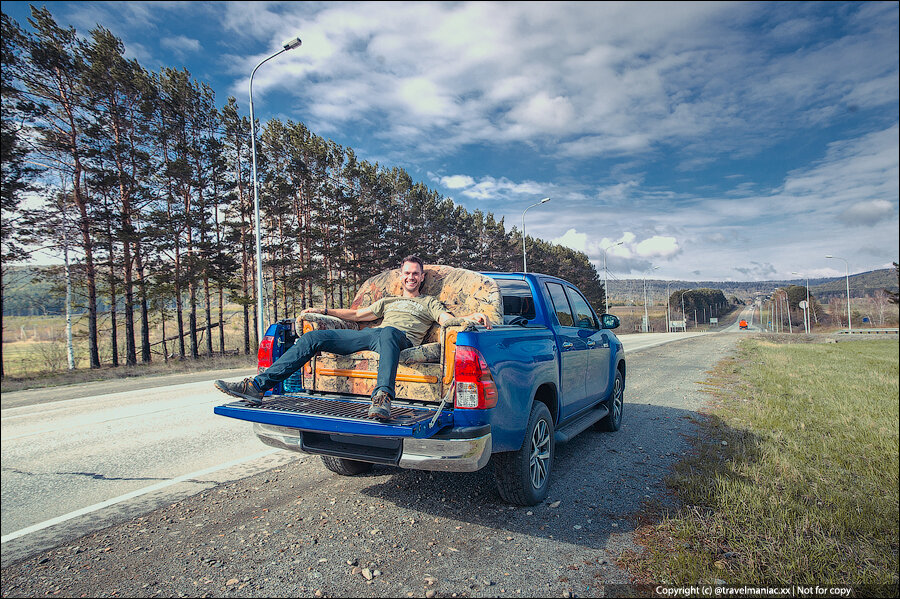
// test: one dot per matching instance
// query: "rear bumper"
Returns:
(466, 452)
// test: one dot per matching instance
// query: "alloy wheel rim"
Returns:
(617, 400)
(540, 454)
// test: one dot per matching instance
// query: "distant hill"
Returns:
(861, 285)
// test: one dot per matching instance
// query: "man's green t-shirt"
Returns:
(412, 315)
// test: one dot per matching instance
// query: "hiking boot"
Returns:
(381, 406)
(246, 390)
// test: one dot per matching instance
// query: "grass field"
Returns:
(795, 475)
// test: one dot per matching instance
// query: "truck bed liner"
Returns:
(340, 414)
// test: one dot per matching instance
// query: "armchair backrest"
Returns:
(461, 291)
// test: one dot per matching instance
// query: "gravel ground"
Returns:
(300, 530)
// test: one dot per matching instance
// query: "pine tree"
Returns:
(53, 80)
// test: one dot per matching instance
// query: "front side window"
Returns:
(584, 316)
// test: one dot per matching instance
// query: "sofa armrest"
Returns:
(323, 321)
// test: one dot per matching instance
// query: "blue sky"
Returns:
(715, 141)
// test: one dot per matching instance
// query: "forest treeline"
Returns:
(147, 194)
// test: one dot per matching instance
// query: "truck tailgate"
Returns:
(339, 414)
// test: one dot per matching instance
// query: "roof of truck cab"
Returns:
(515, 276)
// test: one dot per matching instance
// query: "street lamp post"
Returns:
(260, 305)
(849, 324)
(683, 313)
(668, 316)
(646, 316)
(805, 310)
(605, 272)
(524, 258)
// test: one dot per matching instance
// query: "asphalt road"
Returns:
(297, 530)
(73, 465)
(748, 314)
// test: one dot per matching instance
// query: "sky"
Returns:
(694, 141)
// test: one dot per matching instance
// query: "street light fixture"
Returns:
(849, 324)
(646, 326)
(805, 310)
(524, 258)
(260, 305)
(605, 273)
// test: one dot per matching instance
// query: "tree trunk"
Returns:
(113, 299)
(145, 315)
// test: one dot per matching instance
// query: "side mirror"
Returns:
(610, 321)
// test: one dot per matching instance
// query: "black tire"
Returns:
(523, 476)
(346, 467)
(616, 405)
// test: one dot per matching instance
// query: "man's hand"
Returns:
(480, 319)
(314, 311)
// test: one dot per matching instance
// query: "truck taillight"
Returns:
(475, 387)
(264, 356)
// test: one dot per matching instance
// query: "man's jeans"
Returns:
(388, 342)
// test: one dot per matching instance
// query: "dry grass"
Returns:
(34, 352)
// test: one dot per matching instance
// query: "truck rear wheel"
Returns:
(346, 467)
(523, 476)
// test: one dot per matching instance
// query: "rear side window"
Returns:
(584, 316)
(560, 305)
(517, 299)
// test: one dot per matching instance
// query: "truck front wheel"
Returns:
(346, 467)
(613, 421)
(523, 476)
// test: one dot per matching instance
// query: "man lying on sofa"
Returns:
(406, 320)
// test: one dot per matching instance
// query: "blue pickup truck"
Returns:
(505, 395)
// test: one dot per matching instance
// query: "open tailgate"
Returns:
(339, 414)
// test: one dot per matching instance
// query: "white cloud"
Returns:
(572, 239)
(657, 247)
(457, 181)
(491, 188)
(868, 213)
(542, 114)
(180, 44)
(422, 97)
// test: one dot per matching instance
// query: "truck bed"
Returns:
(340, 414)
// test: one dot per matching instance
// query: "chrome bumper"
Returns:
(448, 455)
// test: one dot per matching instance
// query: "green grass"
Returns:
(795, 475)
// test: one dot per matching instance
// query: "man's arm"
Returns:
(476, 317)
(361, 315)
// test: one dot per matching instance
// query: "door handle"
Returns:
(591, 343)
(567, 345)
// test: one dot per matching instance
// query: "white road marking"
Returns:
(137, 493)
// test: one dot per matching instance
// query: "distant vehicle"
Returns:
(743, 324)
